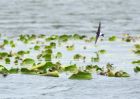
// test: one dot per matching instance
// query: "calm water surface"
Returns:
(73, 16)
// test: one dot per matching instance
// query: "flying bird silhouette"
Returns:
(98, 33)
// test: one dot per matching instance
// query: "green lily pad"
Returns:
(5, 42)
(110, 74)
(13, 70)
(136, 62)
(71, 68)
(7, 60)
(70, 48)
(52, 74)
(28, 61)
(47, 57)
(12, 44)
(64, 38)
(3, 69)
(3, 54)
(27, 71)
(81, 76)
(77, 57)
(102, 51)
(137, 69)
(53, 45)
(36, 47)
(59, 55)
(112, 38)
(43, 67)
(21, 53)
(121, 74)
(137, 46)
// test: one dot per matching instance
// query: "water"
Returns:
(73, 16)
(78, 16)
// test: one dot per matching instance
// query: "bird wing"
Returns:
(98, 32)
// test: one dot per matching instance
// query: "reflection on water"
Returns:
(71, 16)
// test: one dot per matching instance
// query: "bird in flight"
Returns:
(98, 33)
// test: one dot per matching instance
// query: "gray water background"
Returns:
(71, 16)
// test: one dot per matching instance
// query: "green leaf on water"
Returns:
(112, 38)
(137, 51)
(71, 68)
(3, 69)
(137, 46)
(59, 55)
(137, 69)
(81, 76)
(102, 51)
(121, 74)
(47, 57)
(77, 57)
(36, 47)
(43, 67)
(21, 53)
(5, 42)
(41, 36)
(13, 71)
(136, 62)
(27, 71)
(12, 44)
(51, 38)
(51, 74)
(7, 60)
(70, 48)
(3, 55)
(64, 38)
(53, 45)
(28, 61)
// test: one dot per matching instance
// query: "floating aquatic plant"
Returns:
(121, 74)
(12, 44)
(13, 71)
(58, 55)
(52, 74)
(110, 72)
(27, 71)
(137, 49)
(137, 69)
(53, 45)
(102, 51)
(36, 47)
(5, 42)
(43, 64)
(71, 68)
(112, 38)
(28, 61)
(3, 69)
(77, 57)
(7, 60)
(93, 68)
(81, 75)
(70, 48)
(51, 38)
(3, 55)
(21, 53)
(136, 62)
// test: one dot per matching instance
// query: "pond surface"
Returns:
(70, 16)
(74, 16)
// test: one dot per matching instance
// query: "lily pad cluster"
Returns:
(41, 57)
